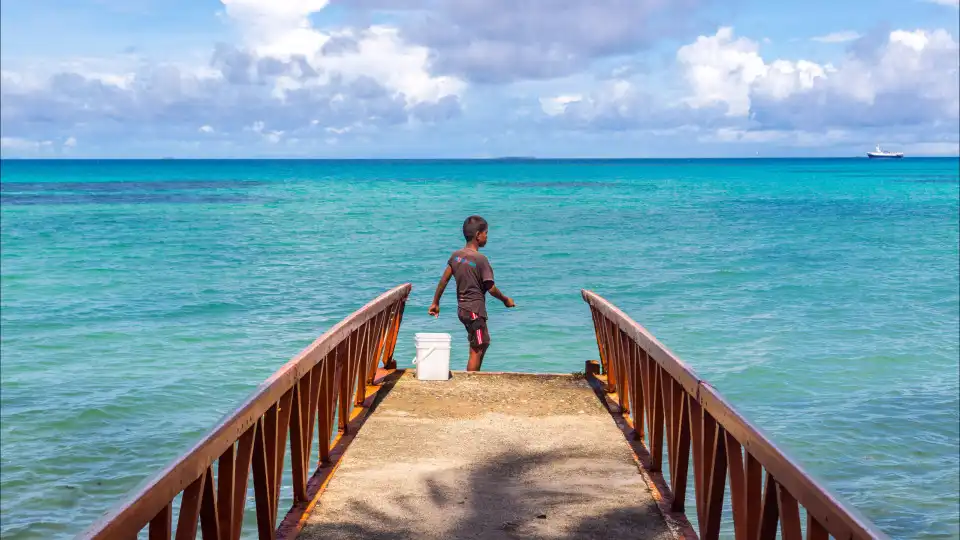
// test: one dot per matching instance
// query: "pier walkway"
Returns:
(488, 456)
(636, 446)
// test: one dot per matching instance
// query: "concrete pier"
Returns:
(636, 447)
(486, 456)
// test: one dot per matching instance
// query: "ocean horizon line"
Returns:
(506, 159)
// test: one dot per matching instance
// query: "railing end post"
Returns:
(592, 368)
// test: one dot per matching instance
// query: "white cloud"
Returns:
(837, 37)
(613, 93)
(36, 147)
(381, 54)
(919, 63)
(271, 136)
(622, 104)
(722, 69)
(22, 145)
(742, 135)
(283, 67)
(904, 88)
(287, 80)
(278, 28)
(782, 78)
(282, 30)
(16, 143)
(341, 130)
(798, 138)
(555, 105)
(915, 40)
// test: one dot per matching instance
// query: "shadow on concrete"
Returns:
(505, 498)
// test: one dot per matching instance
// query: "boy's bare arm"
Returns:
(444, 279)
(507, 301)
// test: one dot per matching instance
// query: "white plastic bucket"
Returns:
(433, 356)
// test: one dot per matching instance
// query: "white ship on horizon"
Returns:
(878, 153)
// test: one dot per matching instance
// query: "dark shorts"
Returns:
(477, 331)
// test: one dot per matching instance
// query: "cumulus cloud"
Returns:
(556, 105)
(911, 77)
(278, 28)
(28, 147)
(496, 41)
(838, 37)
(619, 104)
(284, 70)
(522, 68)
(280, 42)
(733, 94)
(729, 70)
(17, 143)
(720, 69)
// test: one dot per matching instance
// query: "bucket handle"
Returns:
(429, 352)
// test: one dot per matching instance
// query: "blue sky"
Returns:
(477, 78)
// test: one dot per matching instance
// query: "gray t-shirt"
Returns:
(474, 278)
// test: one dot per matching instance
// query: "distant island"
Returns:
(514, 158)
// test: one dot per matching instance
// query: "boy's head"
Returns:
(475, 229)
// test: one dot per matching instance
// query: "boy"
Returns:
(474, 278)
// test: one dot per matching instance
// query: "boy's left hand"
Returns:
(508, 302)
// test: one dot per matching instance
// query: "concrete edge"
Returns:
(517, 374)
(677, 522)
(295, 518)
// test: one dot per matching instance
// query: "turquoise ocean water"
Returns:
(141, 300)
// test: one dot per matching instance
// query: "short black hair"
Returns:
(472, 226)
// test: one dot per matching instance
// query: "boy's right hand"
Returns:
(434, 310)
(508, 302)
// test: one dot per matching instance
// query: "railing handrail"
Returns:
(840, 520)
(145, 501)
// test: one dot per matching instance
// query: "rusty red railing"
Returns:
(331, 379)
(660, 397)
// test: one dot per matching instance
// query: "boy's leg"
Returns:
(476, 358)
(479, 338)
